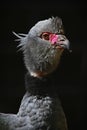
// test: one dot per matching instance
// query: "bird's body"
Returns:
(37, 115)
(40, 108)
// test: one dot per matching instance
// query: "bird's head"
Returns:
(43, 46)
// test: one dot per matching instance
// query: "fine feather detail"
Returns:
(20, 38)
(19, 35)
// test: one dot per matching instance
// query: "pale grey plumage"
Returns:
(39, 54)
(40, 108)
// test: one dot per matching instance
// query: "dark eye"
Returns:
(45, 36)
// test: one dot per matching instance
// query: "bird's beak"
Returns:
(63, 42)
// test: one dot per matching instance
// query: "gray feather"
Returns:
(40, 108)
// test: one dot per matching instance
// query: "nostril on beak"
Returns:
(61, 38)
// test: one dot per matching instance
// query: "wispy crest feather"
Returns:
(20, 38)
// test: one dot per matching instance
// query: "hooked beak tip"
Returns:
(67, 44)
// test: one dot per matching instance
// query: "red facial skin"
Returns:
(52, 38)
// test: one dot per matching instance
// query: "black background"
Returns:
(20, 16)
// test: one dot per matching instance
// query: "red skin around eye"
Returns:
(53, 38)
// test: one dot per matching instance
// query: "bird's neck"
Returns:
(40, 86)
(40, 98)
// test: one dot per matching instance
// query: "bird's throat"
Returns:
(38, 74)
(40, 86)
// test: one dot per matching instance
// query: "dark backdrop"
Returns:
(20, 16)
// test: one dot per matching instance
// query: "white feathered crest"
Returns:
(20, 38)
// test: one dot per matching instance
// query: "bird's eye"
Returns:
(45, 36)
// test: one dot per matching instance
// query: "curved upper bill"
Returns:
(63, 42)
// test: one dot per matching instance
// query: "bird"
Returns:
(40, 108)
